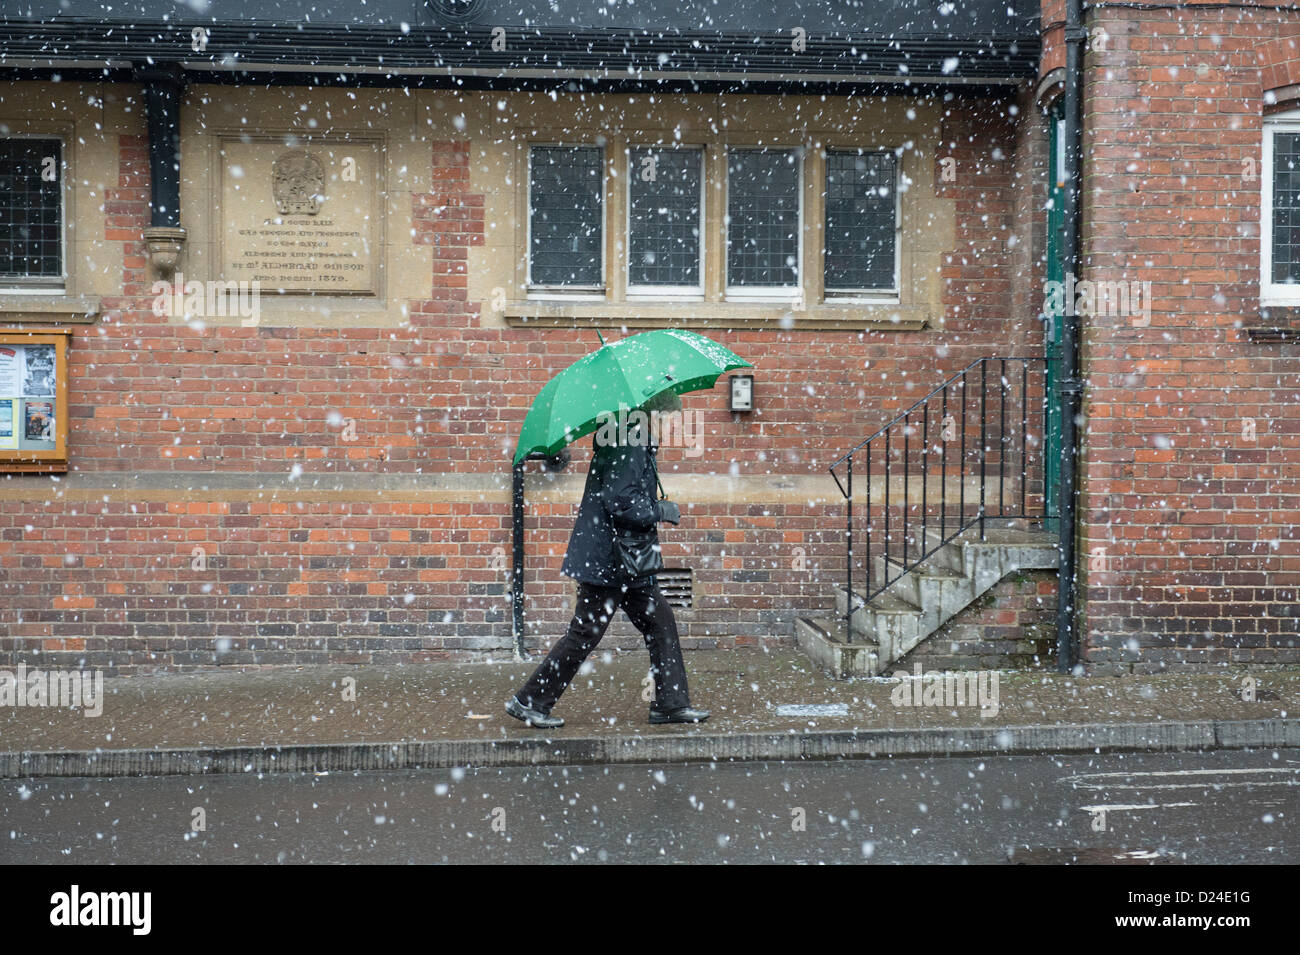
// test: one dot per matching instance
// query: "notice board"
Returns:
(34, 401)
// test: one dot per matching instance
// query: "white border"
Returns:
(1273, 293)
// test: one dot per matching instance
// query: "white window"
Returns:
(1280, 211)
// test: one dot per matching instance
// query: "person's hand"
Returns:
(670, 512)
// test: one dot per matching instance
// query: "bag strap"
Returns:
(654, 466)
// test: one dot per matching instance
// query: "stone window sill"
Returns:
(875, 317)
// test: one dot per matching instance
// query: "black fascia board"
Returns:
(537, 51)
(880, 18)
(661, 85)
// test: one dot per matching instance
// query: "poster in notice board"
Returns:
(12, 359)
(8, 424)
(32, 401)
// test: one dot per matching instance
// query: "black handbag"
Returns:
(638, 552)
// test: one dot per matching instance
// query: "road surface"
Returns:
(1225, 807)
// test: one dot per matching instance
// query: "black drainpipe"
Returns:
(162, 90)
(553, 463)
(517, 556)
(1067, 638)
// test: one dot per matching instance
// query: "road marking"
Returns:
(1122, 808)
(1256, 777)
(813, 709)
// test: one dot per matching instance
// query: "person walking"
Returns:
(618, 500)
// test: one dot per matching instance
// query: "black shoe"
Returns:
(531, 716)
(683, 714)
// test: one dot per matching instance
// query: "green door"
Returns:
(1052, 332)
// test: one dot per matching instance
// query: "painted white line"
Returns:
(1122, 808)
(1185, 779)
(813, 709)
(1191, 772)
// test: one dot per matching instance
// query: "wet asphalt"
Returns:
(1227, 807)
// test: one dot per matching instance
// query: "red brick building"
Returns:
(1190, 464)
(328, 480)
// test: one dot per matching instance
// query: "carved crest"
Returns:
(456, 11)
(298, 183)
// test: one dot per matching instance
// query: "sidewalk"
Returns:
(448, 714)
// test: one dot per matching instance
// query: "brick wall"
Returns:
(1013, 626)
(1189, 522)
(271, 495)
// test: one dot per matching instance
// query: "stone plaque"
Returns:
(301, 217)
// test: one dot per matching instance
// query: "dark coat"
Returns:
(620, 491)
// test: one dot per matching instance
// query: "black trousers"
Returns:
(649, 612)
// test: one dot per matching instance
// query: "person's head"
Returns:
(666, 402)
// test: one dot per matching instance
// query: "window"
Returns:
(31, 211)
(763, 220)
(565, 216)
(1280, 228)
(861, 224)
(665, 202)
(705, 230)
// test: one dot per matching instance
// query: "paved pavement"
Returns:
(1230, 807)
(446, 714)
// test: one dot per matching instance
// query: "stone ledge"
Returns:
(1265, 334)
(16, 309)
(1277, 323)
(473, 487)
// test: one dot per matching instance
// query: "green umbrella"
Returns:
(620, 376)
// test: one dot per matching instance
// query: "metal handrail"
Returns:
(885, 427)
(912, 556)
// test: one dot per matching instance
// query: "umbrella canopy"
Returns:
(620, 376)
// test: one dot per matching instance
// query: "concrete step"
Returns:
(919, 602)
(888, 621)
(898, 625)
(1002, 551)
(826, 643)
(934, 584)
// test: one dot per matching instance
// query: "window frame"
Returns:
(539, 290)
(914, 306)
(848, 295)
(764, 293)
(12, 284)
(1270, 292)
(643, 292)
